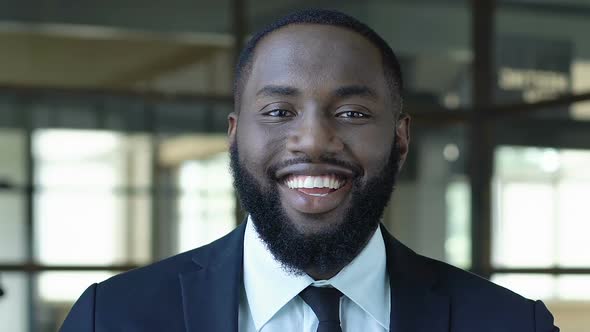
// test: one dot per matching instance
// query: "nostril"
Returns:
(315, 144)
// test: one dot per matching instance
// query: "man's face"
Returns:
(317, 128)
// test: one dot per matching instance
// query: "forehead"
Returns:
(314, 56)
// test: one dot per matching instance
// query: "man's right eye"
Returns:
(280, 113)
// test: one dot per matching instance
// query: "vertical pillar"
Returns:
(26, 122)
(480, 163)
(239, 28)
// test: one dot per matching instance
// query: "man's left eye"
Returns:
(352, 114)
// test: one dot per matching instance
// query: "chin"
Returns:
(316, 223)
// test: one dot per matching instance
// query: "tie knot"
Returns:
(325, 302)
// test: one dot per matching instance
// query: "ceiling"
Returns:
(83, 56)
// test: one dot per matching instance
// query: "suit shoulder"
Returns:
(478, 298)
(161, 275)
(152, 295)
(475, 299)
(448, 279)
(142, 285)
(459, 281)
(163, 269)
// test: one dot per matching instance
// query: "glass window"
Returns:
(566, 296)
(181, 117)
(545, 190)
(457, 244)
(206, 205)
(8, 117)
(532, 286)
(12, 227)
(14, 305)
(430, 206)
(57, 292)
(542, 52)
(12, 195)
(92, 189)
(547, 287)
(12, 158)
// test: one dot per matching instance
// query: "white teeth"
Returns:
(318, 195)
(326, 181)
(334, 183)
(300, 183)
(318, 182)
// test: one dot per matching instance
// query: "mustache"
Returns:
(272, 170)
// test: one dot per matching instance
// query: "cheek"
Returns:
(371, 150)
(258, 146)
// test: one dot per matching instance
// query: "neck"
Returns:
(318, 274)
(322, 275)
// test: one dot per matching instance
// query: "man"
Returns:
(317, 139)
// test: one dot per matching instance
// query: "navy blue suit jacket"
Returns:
(199, 290)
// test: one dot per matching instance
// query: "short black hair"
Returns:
(391, 66)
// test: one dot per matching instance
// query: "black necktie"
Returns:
(325, 303)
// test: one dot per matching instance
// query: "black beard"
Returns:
(327, 251)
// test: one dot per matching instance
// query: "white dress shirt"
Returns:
(269, 300)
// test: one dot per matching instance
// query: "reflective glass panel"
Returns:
(91, 196)
(14, 306)
(430, 210)
(206, 205)
(540, 207)
(547, 287)
(567, 297)
(13, 173)
(542, 52)
(12, 227)
(12, 158)
(57, 292)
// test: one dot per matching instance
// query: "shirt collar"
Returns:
(269, 287)
(370, 291)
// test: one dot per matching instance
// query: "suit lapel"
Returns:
(415, 305)
(211, 293)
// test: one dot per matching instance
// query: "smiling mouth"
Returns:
(317, 186)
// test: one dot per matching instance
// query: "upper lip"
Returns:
(315, 170)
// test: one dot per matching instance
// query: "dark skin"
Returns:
(316, 91)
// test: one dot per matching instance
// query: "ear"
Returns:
(232, 126)
(402, 136)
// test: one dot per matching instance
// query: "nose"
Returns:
(314, 135)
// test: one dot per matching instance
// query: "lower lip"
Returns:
(314, 204)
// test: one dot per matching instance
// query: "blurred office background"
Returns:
(113, 150)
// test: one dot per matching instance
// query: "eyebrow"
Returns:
(341, 92)
(355, 91)
(277, 90)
